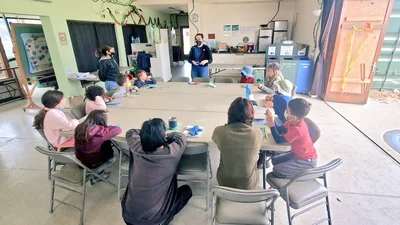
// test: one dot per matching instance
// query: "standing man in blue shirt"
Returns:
(200, 56)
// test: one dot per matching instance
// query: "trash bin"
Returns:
(289, 67)
(304, 75)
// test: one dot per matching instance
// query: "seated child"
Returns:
(273, 74)
(51, 119)
(247, 75)
(124, 88)
(96, 99)
(280, 100)
(92, 139)
(143, 79)
(295, 131)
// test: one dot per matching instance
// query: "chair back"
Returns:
(79, 111)
(181, 79)
(121, 144)
(49, 145)
(313, 130)
(60, 157)
(159, 79)
(201, 79)
(195, 148)
(245, 196)
(315, 173)
(224, 80)
(74, 101)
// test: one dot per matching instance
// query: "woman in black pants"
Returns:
(152, 196)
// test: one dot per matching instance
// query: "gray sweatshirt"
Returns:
(120, 92)
(152, 187)
(269, 85)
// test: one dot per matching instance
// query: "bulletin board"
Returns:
(22, 59)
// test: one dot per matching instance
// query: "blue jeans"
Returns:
(199, 71)
(110, 85)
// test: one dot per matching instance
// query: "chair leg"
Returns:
(49, 168)
(288, 206)
(119, 176)
(272, 213)
(328, 208)
(83, 196)
(53, 186)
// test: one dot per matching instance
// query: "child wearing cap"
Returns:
(247, 75)
(273, 74)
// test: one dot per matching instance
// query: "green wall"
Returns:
(54, 18)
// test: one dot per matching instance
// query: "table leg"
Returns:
(264, 165)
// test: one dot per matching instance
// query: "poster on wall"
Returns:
(37, 52)
(227, 30)
(235, 30)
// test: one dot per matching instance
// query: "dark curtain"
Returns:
(136, 31)
(329, 27)
(105, 33)
(84, 42)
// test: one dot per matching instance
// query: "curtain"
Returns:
(329, 27)
(136, 31)
(84, 42)
(105, 33)
(86, 38)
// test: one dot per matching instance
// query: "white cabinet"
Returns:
(247, 59)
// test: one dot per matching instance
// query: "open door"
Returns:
(358, 45)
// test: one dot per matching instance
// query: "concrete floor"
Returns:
(373, 119)
(363, 190)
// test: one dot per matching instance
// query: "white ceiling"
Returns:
(166, 8)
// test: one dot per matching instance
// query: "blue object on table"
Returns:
(248, 91)
(195, 130)
(172, 123)
(114, 103)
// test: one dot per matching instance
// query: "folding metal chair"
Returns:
(123, 171)
(79, 111)
(74, 101)
(224, 80)
(235, 206)
(201, 79)
(72, 175)
(195, 166)
(181, 79)
(304, 190)
(313, 130)
(159, 79)
(50, 147)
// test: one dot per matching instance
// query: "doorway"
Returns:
(185, 40)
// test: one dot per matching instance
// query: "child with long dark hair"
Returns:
(153, 195)
(96, 99)
(51, 119)
(92, 139)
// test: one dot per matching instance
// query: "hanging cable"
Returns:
(277, 11)
(316, 30)
(190, 15)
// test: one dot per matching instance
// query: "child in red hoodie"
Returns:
(247, 75)
(92, 139)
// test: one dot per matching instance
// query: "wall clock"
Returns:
(194, 17)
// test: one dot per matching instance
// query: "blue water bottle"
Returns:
(248, 91)
(132, 40)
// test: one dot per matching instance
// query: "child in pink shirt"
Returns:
(51, 119)
(96, 99)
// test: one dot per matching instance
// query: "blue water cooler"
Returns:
(304, 75)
